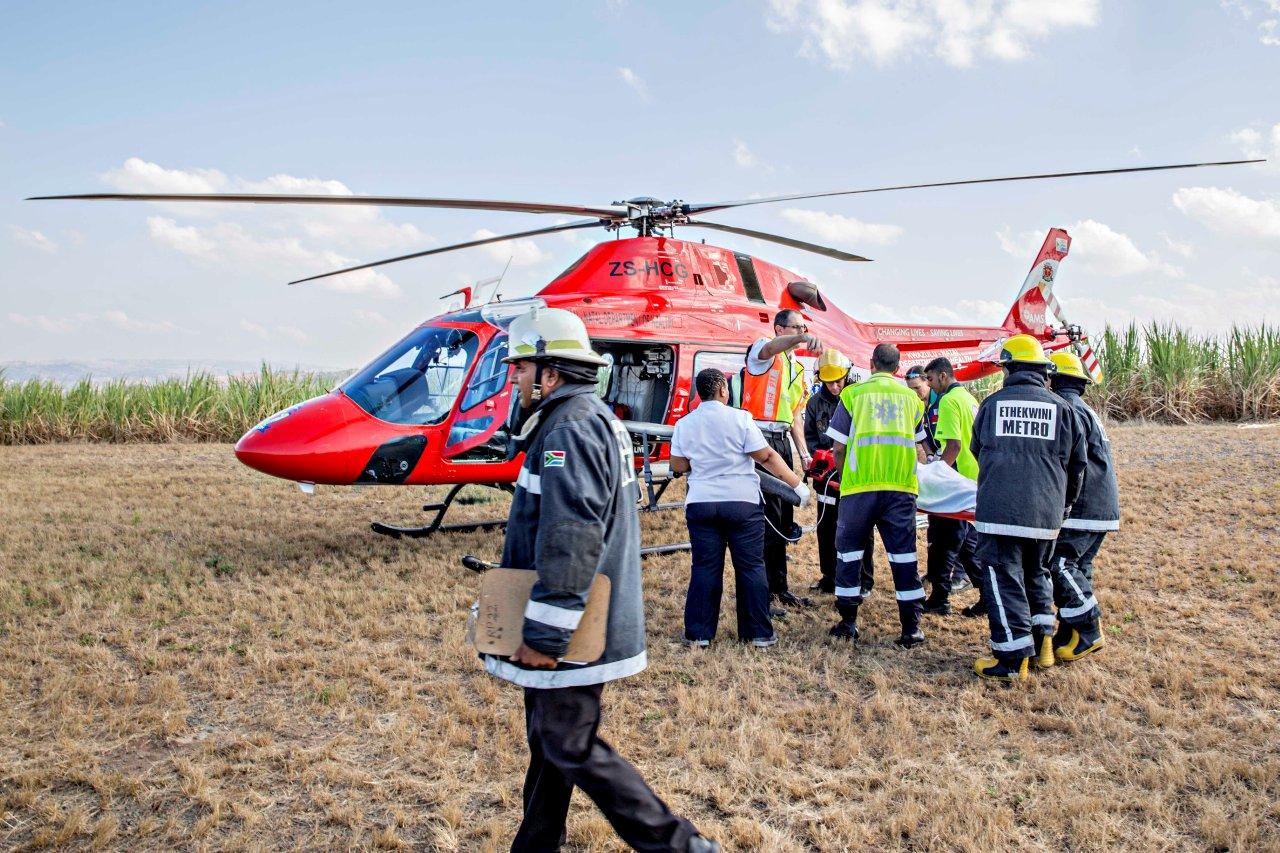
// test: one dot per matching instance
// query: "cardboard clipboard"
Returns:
(499, 625)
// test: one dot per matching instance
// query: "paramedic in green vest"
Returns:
(952, 542)
(774, 391)
(876, 429)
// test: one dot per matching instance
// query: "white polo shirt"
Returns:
(716, 440)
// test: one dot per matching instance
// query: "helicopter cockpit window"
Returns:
(418, 379)
(490, 375)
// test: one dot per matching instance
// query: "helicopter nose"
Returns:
(309, 442)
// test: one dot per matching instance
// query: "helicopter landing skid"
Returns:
(440, 508)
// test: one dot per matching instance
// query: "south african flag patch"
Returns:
(553, 459)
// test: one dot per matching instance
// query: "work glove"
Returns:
(802, 491)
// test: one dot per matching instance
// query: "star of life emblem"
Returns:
(887, 411)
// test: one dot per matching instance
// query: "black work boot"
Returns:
(847, 627)
(910, 641)
(973, 611)
(1083, 641)
(1001, 669)
(937, 603)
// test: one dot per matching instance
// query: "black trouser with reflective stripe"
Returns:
(1019, 595)
(780, 515)
(894, 514)
(1071, 569)
(952, 548)
(828, 520)
(565, 752)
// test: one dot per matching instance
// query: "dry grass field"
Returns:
(194, 655)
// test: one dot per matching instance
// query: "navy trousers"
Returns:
(781, 517)
(1071, 569)
(1018, 592)
(713, 526)
(565, 752)
(952, 554)
(894, 515)
(828, 497)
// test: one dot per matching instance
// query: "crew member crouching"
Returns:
(1031, 458)
(573, 515)
(1094, 514)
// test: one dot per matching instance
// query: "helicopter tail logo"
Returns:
(1035, 303)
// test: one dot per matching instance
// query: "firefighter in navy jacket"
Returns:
(1031, 456)
(573, 515)
(1095, 513)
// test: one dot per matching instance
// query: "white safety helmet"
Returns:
(545, 333)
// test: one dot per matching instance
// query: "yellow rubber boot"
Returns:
(994, 669)
(1044, 656)
(1081, 645)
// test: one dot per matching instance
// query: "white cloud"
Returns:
(1268, 12)
(368, 318)
(523, 253)
(746, 158)
(1096, 248)
(139, 176)
(123, 321)
(1183, 250)
(276, 241)
(231, 245)
(842, 229)
(633, 80)
(76, 322)
(843, 32)
(45, 323)
(1259, 144)
(289, 333)
(1229, 212)
(32, 239)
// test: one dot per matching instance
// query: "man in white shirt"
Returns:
(718, 446)
(774, 390)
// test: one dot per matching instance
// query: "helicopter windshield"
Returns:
(417, 380)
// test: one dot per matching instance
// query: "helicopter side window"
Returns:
(418, 379)
(490, 376)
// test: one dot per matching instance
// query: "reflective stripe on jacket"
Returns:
(776, 394)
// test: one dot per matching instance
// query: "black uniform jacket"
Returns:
(1098, 507)
(1031, 457)
(573, 515)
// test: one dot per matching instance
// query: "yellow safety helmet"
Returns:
(542, 333)
(1069, 364)
(1024, 349)
(833, 366)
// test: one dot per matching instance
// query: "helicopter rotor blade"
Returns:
(774, 238)
(724, 205)
(370, 200)
(568, 226)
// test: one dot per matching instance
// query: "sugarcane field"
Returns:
(782, 426)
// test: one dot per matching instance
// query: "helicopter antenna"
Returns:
(494, 295)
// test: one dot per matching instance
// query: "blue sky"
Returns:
(589, 102)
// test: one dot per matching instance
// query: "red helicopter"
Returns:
(433, 409)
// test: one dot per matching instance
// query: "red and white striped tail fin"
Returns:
(1035, 298)
(1087, 358)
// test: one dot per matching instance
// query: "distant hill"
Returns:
(102, 371)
